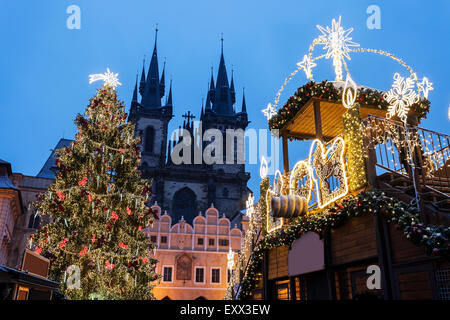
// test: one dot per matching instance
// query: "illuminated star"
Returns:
(337, 40)
(307, 66)
(401, 97)
(108, 78)
(425, 86)
(269, 112)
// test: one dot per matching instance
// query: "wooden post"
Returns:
(265, 288)
(292, 289)
(285, 154)
(318, 120)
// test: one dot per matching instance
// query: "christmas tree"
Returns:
(98, 208)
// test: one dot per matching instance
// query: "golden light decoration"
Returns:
(338, 44)
(349, 93)
(275, 190)
(328, 163)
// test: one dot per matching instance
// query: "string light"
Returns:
(327, 163)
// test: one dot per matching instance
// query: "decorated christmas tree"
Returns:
(98, 205)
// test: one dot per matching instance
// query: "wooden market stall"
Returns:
(371, 253)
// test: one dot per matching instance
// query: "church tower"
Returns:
(152, 119)
(184, 190)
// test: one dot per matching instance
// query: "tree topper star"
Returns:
(269, 112)
(307, 64)
(108, 77)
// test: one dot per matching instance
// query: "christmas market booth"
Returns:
(28, 283)
(366, 215)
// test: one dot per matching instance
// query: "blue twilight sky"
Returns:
(44, 66)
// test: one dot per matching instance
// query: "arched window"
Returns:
(201, 298)
(149, 139)
(184, 204)
(34, 221)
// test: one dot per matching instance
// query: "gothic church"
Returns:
(184, 190)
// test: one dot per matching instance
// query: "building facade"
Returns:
(183, 189)
(193, 256)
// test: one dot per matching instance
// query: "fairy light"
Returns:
(325, 162)
(301, 169)
(277, 189)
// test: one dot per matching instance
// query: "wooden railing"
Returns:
(410, 152)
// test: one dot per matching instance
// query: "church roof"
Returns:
(49, 168)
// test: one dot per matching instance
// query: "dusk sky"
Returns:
(44, 66)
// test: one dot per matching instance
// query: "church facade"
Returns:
(185, 189)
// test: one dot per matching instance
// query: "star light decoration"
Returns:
(108, 78)
(307, 64)
(269, 112)
(401, 97)
(337, 41)
(425, 86)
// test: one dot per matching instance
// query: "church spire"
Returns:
(222, 103)
(162, 82)
(135, 98)
(142, 83)
(233, 93)
(169, 98)
(244, 106)
(152, 93)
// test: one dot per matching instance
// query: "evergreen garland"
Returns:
(406, 217)
(327, 91)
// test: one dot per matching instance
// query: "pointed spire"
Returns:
(142, 83)
(162, 82)
(244, 106)
(211, 83)
(222, 102)
(201, 112)
(152, 96)
(135, 91)
(233, 93)
(169, 98)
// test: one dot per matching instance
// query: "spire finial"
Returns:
(221, 39)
